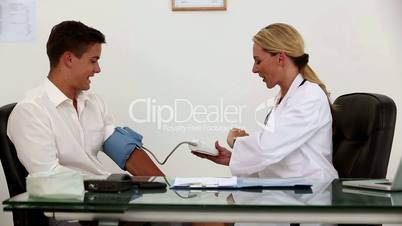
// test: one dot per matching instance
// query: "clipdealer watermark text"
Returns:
(184, 112)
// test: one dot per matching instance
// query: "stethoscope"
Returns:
(272, 107)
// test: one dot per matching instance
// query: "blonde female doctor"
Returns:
(297, 138)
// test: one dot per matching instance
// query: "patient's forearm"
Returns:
(139, 164)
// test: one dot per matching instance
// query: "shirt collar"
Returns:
(82, 98)
(54, 93)
(292, 89)
(295, 84)
(58, 97)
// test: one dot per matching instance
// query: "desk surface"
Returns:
(325, 203)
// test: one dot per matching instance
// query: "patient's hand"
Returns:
(233, 134)
(222, 158)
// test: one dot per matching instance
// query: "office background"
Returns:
(174, 65)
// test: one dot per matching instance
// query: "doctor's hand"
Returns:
(233, 134)
(222, 158)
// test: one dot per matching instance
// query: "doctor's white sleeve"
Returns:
(294, 126)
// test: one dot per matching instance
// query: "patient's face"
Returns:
(85, 67)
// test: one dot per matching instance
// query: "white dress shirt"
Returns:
(296, 141)
(50, 134)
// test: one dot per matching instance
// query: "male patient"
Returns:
(60, 125)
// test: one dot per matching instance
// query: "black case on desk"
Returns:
(119, 183)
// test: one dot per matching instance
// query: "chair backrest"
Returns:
(364, 126)
(15, 173)
(13, 169)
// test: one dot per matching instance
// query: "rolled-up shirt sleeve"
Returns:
(107, 117)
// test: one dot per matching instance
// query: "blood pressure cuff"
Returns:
(121, 144)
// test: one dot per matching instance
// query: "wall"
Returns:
(205, 58)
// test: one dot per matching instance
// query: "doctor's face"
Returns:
(266, 65)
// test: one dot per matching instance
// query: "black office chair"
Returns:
(15, 173)
(364, 126)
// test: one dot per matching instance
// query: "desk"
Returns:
(325, 203)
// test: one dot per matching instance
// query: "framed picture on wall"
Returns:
(198, 5)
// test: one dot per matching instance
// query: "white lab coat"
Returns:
(296, 142)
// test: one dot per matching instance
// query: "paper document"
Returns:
(238, 183)
(17, 20)
(200, 182)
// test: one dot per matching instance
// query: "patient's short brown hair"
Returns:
(71, 36)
